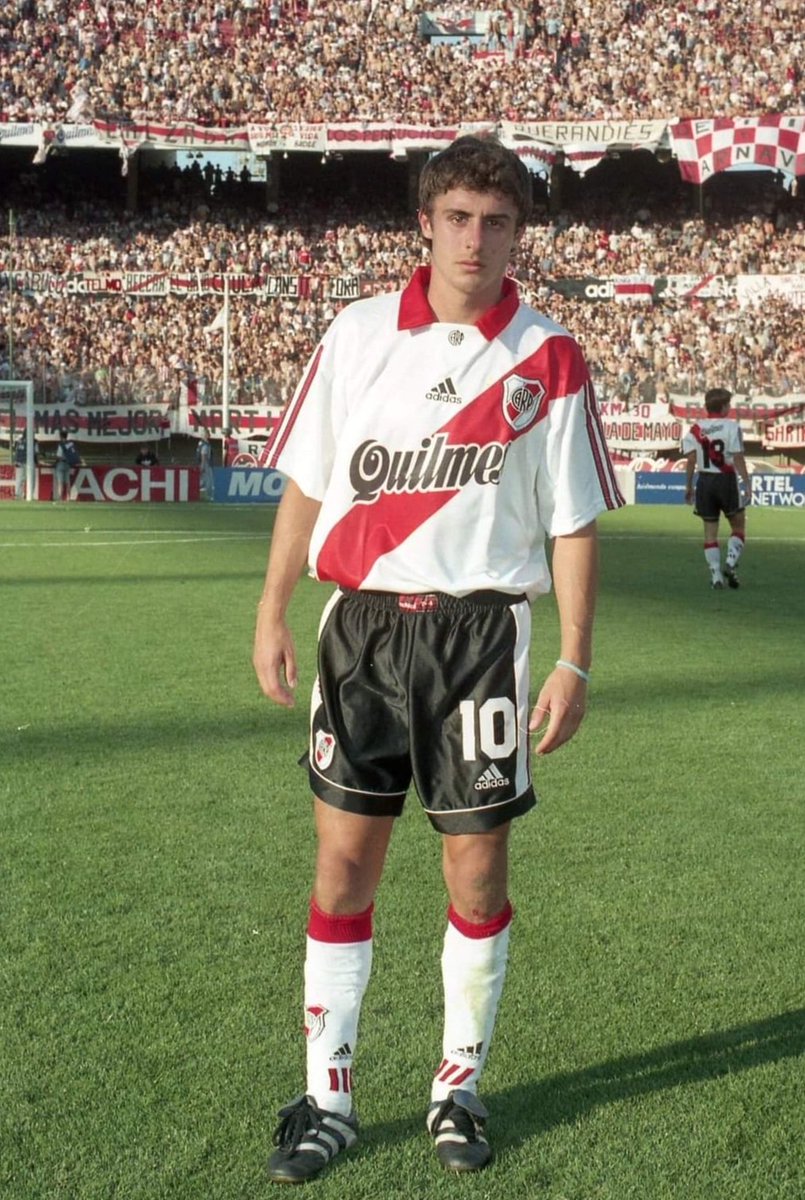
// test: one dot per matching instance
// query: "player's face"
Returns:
(472, 236)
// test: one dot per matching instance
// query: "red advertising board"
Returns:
(120, 485)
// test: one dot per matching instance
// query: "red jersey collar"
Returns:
(415, 310)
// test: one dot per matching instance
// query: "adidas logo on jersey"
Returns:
(444, 391)
(491, 778)
(344, 1051)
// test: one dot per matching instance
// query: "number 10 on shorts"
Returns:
(492, 726)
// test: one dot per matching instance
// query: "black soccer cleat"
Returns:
(457, 1127)
(308, 1139)
(731, 577)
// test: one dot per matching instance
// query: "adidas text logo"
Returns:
(491, 778)
(444, 391)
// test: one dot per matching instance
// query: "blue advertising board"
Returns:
(772, 489)
(659, 487)
(247, 485)
(778, 490)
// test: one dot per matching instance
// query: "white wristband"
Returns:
(569, 666)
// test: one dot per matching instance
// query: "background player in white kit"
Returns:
(439, 436)
(714, 448)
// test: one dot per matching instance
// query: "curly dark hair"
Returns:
(480, 165)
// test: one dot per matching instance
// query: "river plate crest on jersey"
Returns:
(521, 401)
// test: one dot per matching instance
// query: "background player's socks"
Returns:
(735, 547)
(337, 966)
(712, 556)
(473, 969)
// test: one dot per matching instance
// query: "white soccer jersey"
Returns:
(716, 441)
(443, 454)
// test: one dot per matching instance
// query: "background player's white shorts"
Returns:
(428, 688)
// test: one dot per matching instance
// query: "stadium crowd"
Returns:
(229, 62)
(123, 348)
(226, 62)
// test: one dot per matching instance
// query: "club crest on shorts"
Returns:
(314, 1021)
(323, 749)
(521, 401)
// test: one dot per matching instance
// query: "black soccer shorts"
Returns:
(428, 688)
(716, 494)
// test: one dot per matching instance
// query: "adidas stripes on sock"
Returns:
(473, 969)
(337, 967)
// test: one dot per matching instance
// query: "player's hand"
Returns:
(559, 710)
(274, 661)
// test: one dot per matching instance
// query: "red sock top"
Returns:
(339, 927)
(486, 929)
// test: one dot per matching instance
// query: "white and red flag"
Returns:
(705, 147)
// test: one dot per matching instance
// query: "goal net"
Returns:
(17, 438)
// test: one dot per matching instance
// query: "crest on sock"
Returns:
(314, 1021)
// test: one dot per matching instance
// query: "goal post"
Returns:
(16, 418)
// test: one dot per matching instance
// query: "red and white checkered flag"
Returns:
(705, 147)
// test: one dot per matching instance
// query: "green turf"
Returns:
(155, 851)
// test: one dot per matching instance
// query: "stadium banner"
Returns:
(197, 283)
(247, 485)
(634, 289)
(287, 135)
(168, 135)
(659, 487)
(746, 289)
(585, 143)
(758, 408)
(695, 287)
(783, 435)
(756, 289)
(19, 133)
(109, 423)
(706, 147)
(240, 420)
(126, 485)
(639, 426)
(472, 23)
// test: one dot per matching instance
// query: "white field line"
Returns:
(687, 537)
(168, 540)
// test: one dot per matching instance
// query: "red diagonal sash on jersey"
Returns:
(369, 531)
(712, 454)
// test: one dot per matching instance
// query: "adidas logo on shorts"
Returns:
(444, 391)
(491, 778)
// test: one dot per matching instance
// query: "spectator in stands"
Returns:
(147, 457)
(225, 65)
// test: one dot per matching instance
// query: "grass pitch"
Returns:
(156, 852)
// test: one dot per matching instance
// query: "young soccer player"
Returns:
(714, 448)
(439, 435)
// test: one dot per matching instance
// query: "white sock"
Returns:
(712, 556)
(735, 548)
(337, 967)
(473, 969)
